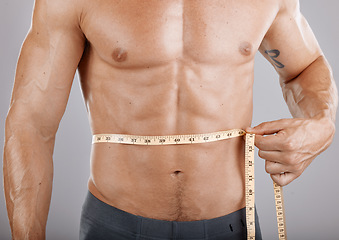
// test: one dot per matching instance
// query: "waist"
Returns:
(168, 139)
(193, 155)
(182, 179)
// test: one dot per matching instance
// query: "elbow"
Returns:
(331, 130)
(21, 120)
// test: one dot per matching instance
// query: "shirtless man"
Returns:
(162, 68)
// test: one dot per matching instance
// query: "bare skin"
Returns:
(161, 68)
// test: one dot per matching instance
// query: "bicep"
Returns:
(47, 63)
(290, 44)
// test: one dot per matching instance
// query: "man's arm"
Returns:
(46, 67)
(309, 91)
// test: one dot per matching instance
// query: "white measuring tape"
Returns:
(212, 137)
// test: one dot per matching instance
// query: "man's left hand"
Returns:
(290, 145)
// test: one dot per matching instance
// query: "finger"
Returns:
(267, 128)
(275, 168)
(284, 179)
(270, 142)
(273, 156)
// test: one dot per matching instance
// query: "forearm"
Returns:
(28, 174)
(312, 94)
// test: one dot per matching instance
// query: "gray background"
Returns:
(311, 201)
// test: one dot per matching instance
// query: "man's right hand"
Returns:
(45, 71)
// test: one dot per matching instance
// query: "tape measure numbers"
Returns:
(280, 210)
(212, 137)
(169, 139)
(249, 185)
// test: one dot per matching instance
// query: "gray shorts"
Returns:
(101, 221)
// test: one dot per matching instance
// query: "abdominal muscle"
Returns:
(177, 182)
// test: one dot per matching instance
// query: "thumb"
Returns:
(267, 128)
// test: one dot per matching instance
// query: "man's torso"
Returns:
(171, 67)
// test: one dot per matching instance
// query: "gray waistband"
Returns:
(112, 217)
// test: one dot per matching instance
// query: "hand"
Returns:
(291, 145)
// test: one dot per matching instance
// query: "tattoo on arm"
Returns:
(273, 54)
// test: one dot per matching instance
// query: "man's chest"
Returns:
(139, 32)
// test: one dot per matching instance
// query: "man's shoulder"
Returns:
(58, 12)
(289, 6)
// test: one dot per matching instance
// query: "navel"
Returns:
(176, 173)
(119, 55)
(245, 48)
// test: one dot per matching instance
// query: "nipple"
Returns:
(245, 48)
(119, 55)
